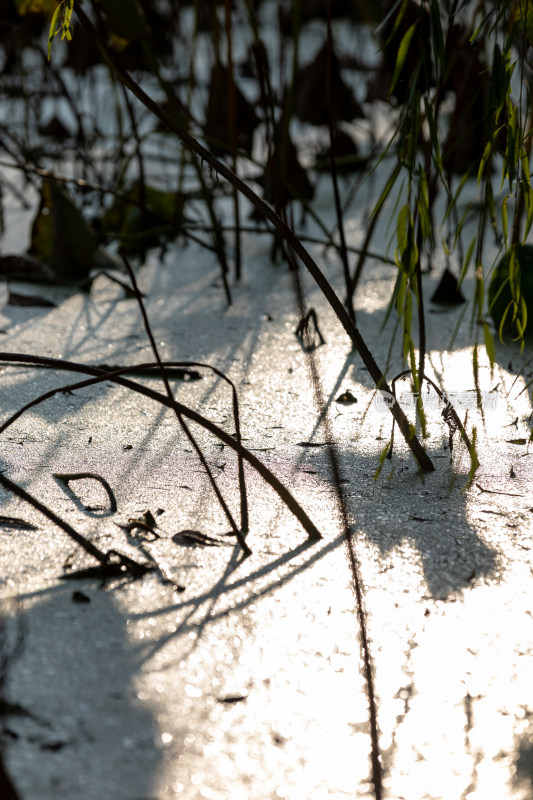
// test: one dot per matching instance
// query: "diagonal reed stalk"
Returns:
(333, 167)
(283, 229)
(185, 428)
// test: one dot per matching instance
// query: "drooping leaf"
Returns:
(62, 239)
(55, 129)
(345, 152)
(284, 178)
(346, 398)
(448, 292)
(230, 118)
(68, 8)
(143, 216)
(481, 26)
(316, 99)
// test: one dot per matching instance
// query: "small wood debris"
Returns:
(195, 538)
(16, 524)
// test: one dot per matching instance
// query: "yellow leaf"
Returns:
(45, 7)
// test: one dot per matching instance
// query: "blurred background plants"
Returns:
(432, 99)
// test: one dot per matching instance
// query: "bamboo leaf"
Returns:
(474, 460)
(480, 27)
(528, 196)
(491, 205)
(437, 37)
(513, 133)
(452, 204)
(382, 457)
(387, 190)
(524, 160)
(402, 55)
(433, 135)
(523, 309)
(402, 228)
(504, 218)
(480, 290)
(52, 32)
(423, 208)
(402, 5)
(67, 17)
(407, 322)
(502, 322)
(514, 275)
(475, 370)
(489, 345)
(483, 163)
(468, 258)
(402, 289)
(62, 10)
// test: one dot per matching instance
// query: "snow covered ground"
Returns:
(250, 682)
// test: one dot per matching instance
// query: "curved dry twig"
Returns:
(67, 477)
(125, 564)
(149, 366)
(117, 377)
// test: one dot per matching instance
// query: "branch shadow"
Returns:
(84, 727)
